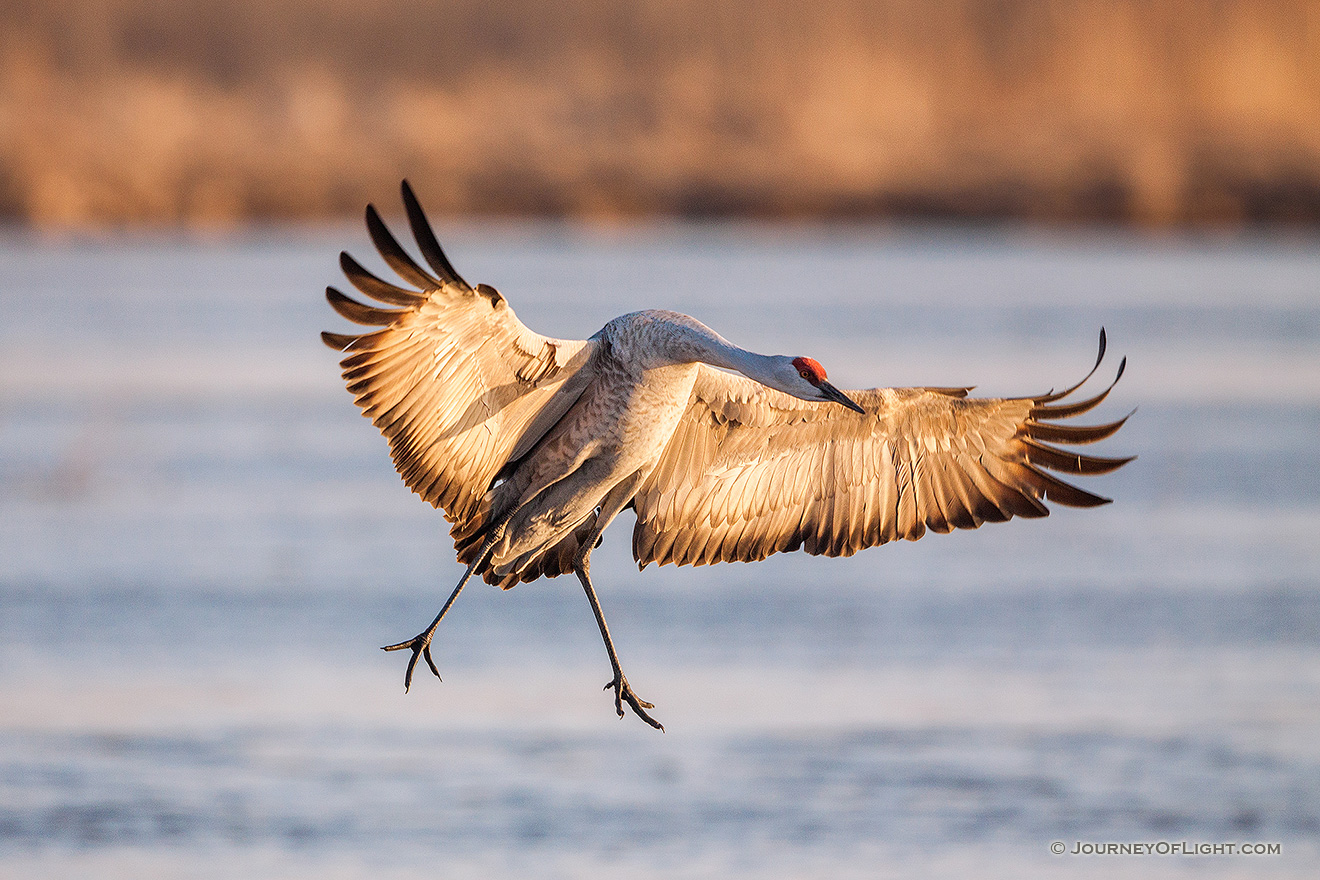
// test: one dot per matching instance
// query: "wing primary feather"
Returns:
(365, 348)
(374, 287)
(1071, 462)
(395, 255)
(426, 240)
(357, 312)
(1064, 411)
(338, 341)
(1057, 395)
(1073, 433)
(1059, 492)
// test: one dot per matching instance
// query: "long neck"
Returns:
(695, 341)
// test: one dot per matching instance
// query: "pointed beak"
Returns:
(834, 394)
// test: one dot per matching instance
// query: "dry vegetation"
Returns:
(180, 111)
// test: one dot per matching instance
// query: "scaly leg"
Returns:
(623, 692)
(420, 644)
(610, 507)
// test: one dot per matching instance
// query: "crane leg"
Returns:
(420, 644)
(610, 507)
(623, 692)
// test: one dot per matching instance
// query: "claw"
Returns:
(420, 646)
(623, 692)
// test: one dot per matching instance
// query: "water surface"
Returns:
(203, 545)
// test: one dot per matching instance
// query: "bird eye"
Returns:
(804, 374)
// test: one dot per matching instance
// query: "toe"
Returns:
(426, 652)
(407, 676)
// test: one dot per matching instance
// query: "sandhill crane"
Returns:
(532, 446)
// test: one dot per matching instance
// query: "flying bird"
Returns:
(531, 446)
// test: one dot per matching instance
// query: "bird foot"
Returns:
(420, 645)
(623, 693)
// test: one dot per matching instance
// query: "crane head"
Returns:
(817, 388)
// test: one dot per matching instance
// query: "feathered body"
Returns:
(533, 445)
(642, 371)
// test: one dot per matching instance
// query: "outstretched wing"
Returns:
(751, 471)
(455, 382)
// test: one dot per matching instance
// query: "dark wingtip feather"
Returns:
(338, 341)
(1073, 433)
(1058, 492)
(1063, 411)
(1090, 500)
(357, 312)
(374, 287)
(425, 237)
(394, 254)
(1071, 462)
(1053, 395)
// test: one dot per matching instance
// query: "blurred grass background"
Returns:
(182, 112)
